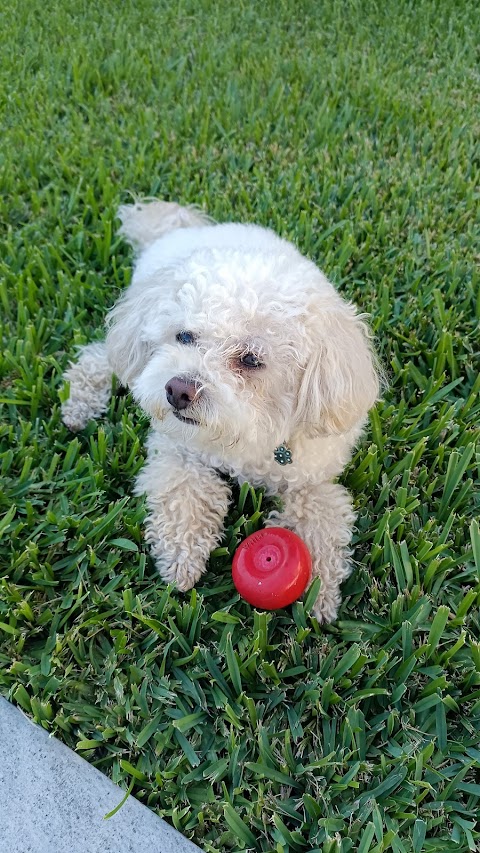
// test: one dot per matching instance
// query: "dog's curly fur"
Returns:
(309, 380)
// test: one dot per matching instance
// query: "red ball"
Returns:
(271, 568)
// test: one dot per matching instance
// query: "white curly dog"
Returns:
(250, 365)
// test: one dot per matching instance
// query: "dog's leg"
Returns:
(323, 517)
(187, 503)
(90, 380)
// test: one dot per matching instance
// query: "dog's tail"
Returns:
(148, 219)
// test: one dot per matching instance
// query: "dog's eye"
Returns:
(185, 337)
(250, 360)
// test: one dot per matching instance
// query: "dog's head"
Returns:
(229, 337)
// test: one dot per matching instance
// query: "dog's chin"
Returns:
(184, 418)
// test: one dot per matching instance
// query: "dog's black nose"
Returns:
(181, 392)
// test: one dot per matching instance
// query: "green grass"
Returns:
(351, 128)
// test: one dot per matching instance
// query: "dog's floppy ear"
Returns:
(341, 379)
(128, 351)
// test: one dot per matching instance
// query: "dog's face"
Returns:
(243, 350)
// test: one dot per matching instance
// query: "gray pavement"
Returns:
(53, 801)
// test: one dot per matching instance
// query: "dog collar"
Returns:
(282, 454)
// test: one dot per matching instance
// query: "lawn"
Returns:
(351, 128)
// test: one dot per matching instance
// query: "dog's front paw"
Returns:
(183, 571)
(76, 415)
(326, 607)
(90, 381)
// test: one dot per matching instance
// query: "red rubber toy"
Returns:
(271, 568)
